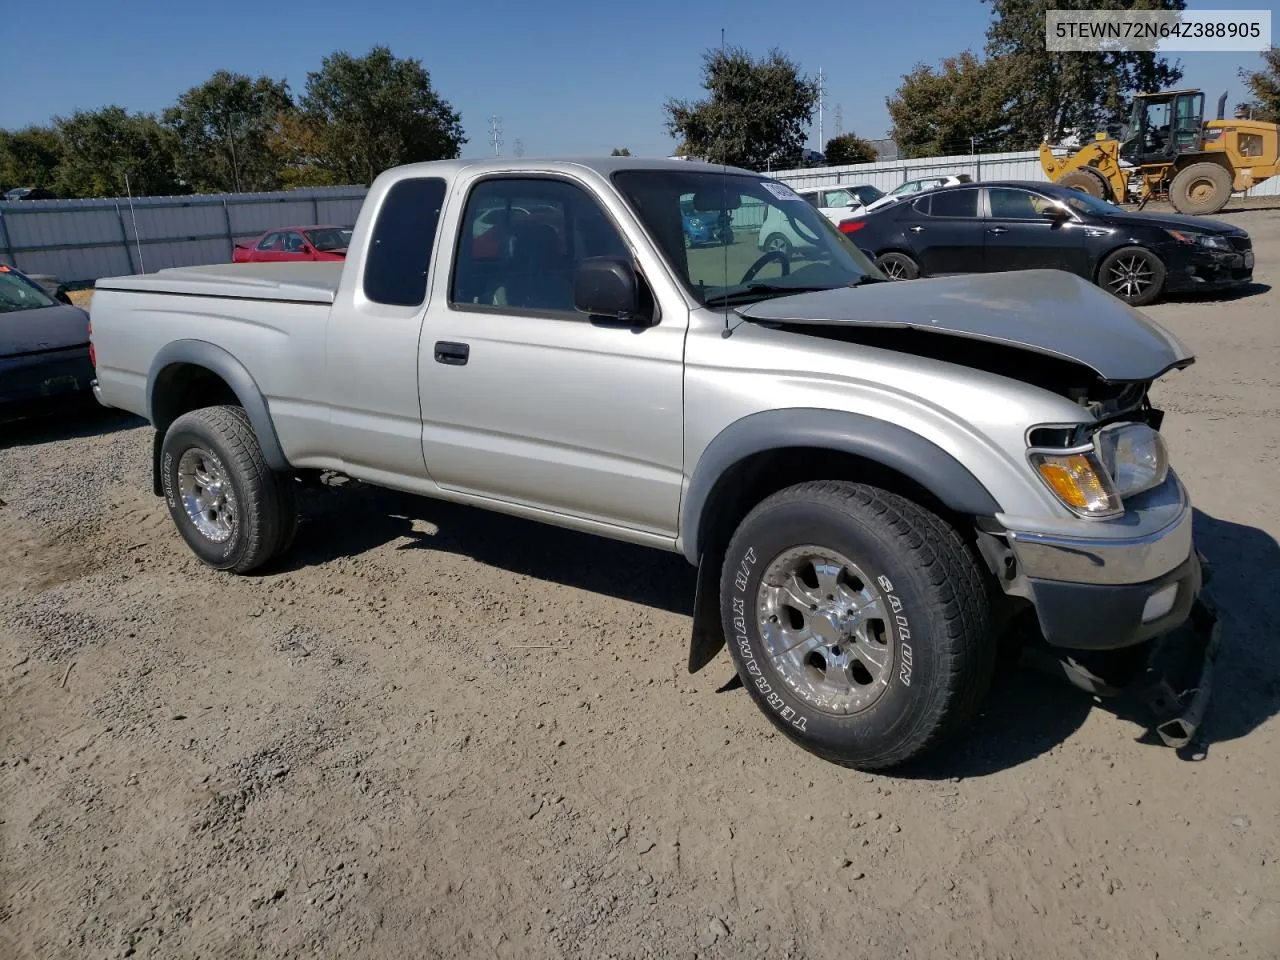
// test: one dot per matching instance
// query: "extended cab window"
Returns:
(521, 242)
(953, 203)
(395, 269)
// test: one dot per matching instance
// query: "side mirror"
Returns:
(608, 287)
(1055, 213)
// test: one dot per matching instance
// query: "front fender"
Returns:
(880, 441)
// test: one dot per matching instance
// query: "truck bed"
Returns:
(285, 282)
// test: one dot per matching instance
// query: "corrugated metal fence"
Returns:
(1024, 165)
(79, 241)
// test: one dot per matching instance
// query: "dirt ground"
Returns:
(441, 733)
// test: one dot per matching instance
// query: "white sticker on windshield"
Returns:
(780, 190)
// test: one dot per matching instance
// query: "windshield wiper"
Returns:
(753, 290)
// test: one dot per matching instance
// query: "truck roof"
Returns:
(601, 165)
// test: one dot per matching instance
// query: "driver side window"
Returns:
(522, 240)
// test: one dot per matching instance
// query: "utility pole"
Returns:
(495, 133)
(839, 120)
(822, 101)
(519, 148)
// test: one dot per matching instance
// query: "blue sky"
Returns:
(571, 77)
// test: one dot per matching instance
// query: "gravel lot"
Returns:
(442, 733)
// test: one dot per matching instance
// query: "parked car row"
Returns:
(1015, 225)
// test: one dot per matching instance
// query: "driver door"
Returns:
(525, 400)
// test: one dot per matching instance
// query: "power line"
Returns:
(495, 134)
(839, 120)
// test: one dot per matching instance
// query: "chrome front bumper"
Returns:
(1119, 583)
(1109, 560)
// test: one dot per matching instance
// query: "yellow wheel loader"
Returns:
(1168, 150)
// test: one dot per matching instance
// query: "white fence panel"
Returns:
(1023, 165)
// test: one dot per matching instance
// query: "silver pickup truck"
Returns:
(875, 480)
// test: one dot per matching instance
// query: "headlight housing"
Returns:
(1092, 480)
(1134, 455)
(1209, 240)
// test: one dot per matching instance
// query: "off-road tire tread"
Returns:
(960, 614)
(261, 510)
(1215, 171)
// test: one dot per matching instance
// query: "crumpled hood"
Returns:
(44, 328)
(1045, 311)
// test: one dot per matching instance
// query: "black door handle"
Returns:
(455, 354)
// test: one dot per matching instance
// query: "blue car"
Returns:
(702, 227)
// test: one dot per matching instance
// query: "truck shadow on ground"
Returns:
(1028, 713)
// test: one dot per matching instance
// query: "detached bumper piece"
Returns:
(1174, 682)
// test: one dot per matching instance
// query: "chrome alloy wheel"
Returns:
(206, 494)
(1130, 276)
(825, 626)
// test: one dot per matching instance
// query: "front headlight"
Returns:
(1134, 456)
(1209, 240)
(1092, 481)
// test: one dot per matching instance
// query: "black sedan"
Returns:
(1013, 225)
(44, 346)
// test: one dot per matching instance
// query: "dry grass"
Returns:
(81, 298)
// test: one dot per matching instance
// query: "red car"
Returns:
(295, 243)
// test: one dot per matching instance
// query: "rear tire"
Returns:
(898, 266)
(1134, 274)
(1088, 181)
(858, 621)
(233, 511)
(1201, 189)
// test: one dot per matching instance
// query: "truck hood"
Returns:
(42, 329)
(1044, 311)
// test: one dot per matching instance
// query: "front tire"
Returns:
(1087, 180)
(1134, 274)
(858, 621)
(778, 243)
(233, 511)
(1201, 189)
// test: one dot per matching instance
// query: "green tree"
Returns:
(29, 157)
(224, 131)
(620, 152)
(952, 109)
(1264, 86)
(848, 148)
(377, 111)
(103, 150)
(755, 115)
(1049, 95)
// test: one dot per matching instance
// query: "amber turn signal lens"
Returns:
(1079, 482)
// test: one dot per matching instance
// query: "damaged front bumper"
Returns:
(1173, 684)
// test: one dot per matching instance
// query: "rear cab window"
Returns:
(400, 245)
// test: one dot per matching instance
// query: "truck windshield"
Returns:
(739, 238)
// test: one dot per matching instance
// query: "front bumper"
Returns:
(1115, 590)
(44, 376)
(1194, 268)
